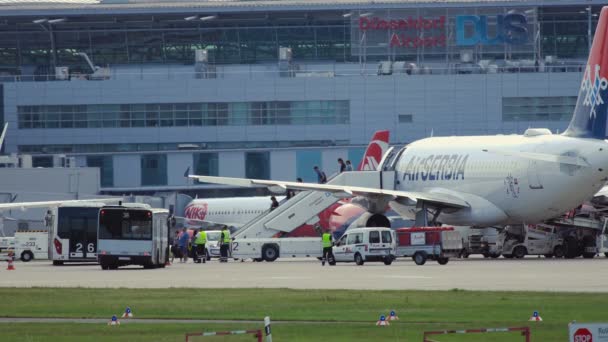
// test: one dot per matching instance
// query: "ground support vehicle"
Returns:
(260, 238)
(269, 249)
(602, 240)
(133, 236)
(434, 243)
(584, 234)
(360, 245)
(6, 243)
(212, 245)
(31, 244)
(73, 232)
(479, 241)
(521, 240)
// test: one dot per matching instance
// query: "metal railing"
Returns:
(272, 71)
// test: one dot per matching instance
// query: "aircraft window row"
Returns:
(228, 212)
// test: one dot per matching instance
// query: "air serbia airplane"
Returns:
(493, 180)
(236, 211)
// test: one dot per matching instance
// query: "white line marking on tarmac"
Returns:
(289, 277)
(397, 276)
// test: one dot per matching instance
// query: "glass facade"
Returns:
(538, 108)
(257, 165)
(305, 161)
(205, 164)
(106, 169)
(355, 155)
(184, 114)
(246, 38)
(154, 169)
(102, 148)
(42, 161)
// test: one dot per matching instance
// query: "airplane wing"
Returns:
(339, 190)
(46, 204)
(603, 192)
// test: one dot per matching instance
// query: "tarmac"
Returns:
(528, 274)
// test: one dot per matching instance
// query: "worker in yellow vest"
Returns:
(200, 242)
(224, 244)
(327, 243)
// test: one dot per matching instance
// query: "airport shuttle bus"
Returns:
(133, 236)
(73, 232)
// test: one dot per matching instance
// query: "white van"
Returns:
(366, 244)
(31, 244)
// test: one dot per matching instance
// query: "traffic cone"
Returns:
(535, 317)
(128, 313)
(382, 321)
(393, 316)
(11, 259)
(114, 321)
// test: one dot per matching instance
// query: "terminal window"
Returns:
(405, 118)
(185, 114)
(555, 108)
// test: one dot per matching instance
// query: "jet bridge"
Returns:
(306, 205)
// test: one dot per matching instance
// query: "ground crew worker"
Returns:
(328, 254)
(201, 250)
(224, 244)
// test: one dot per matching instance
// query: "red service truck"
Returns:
(434, 243)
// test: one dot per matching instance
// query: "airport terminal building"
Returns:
(150, 90)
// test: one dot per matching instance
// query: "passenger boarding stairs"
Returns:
(304, 207)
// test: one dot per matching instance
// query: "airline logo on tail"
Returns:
(593, 87)
(591, 112)
(374, 152)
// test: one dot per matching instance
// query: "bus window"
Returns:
(125, 225)
(70, 219)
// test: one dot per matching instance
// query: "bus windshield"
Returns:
(120, 224)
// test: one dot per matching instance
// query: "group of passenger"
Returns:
(185, 245)
(342, 165)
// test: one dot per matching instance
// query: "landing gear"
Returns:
(422, 215)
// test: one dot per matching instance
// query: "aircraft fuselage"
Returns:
(504, 178)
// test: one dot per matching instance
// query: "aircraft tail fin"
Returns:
(2, 136)
(589, 119)
(374, 152)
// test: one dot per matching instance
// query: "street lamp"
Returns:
(49, 29)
